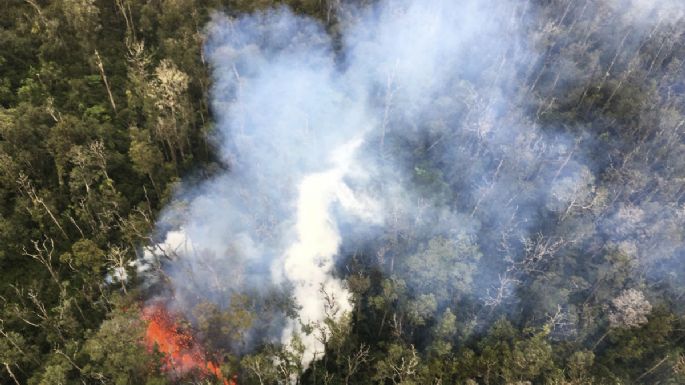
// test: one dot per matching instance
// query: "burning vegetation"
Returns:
(183, 355)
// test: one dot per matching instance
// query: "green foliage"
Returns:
(80, 190)
(115, 353)
(85, 254)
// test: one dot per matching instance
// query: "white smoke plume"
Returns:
(305, 138)
(309, 261)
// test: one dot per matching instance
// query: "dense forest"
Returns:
(342, 192)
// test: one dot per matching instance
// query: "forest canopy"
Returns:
(342, 192)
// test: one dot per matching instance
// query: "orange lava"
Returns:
(181, 353)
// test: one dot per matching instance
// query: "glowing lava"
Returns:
(181, 353)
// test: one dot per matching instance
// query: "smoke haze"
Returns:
(421, 143)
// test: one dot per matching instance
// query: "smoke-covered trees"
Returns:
(630, 309)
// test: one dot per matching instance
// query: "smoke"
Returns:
(296, 122)
(423, 139)
(309, 261)
(647, 12)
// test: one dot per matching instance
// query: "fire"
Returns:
(181, 353)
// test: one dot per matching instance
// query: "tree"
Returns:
(630, 309)
(401, 366)
(85, 256)
(115, 353)
(146, 157)
(14, 352)
(169, 108)
(443, 267)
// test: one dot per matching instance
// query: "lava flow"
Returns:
(181, 353)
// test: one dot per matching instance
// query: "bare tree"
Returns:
(27, 188)
(101, 68)
(42, 252)
(355, 360)
(117, 261)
